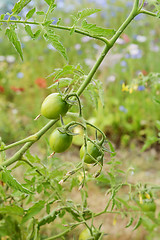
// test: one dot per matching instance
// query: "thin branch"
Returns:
(56, 27)
(148, 13)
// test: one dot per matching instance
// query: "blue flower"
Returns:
(141, 88)
(55, 20)
(20, 75)
(123, 109)
(123, 63)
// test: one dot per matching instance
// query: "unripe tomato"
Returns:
(92, 150)
(148, 205)
(60, 142)
(53, 106)
(85, 234)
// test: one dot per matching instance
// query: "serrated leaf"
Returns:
(49, 2)
(54, 40)
(62, 82)
(13, 183)
(12, 210)
(32, 211)
(30, 13)
(19, 6)
(94, 30)
(87, 12)
(129, 223)
(138, 223)
(30, 33)
(48, 219)
(13, 38)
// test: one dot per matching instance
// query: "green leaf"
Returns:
(48, 219)
(156, 100)
(94, 30)
(138, 223)
(12, 210)
(40, 13)
(19, 6)
(49, 2)
(2, 16)
(112, 149)
(30, 13)
(13, 38)
(62, 82)
(54, 40)
(149, 142)
(30, 33)
(32, 211)
(13, 183)
(123, 202)
(129, 223)
(87, 12)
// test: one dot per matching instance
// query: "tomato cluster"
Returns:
(55, 106)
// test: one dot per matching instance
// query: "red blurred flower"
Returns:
(125, 38)
(16, 89)
(145, 73)
(1, 89)
(41, 82)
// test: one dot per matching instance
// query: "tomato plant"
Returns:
(60, 142)
(53, 106)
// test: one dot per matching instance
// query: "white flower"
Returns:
(77, 46)
(10, 59)
(141, 38)
(2, 58)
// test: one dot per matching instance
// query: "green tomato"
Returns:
(60, 142)
(85, 234)
(148, 205)
(92, 150)
(53, 106)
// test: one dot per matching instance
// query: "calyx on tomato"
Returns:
(53, 106)
(60, 142)
(91, 150)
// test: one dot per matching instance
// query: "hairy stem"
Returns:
(56, 27)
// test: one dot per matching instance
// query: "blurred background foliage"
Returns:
(129, 112)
